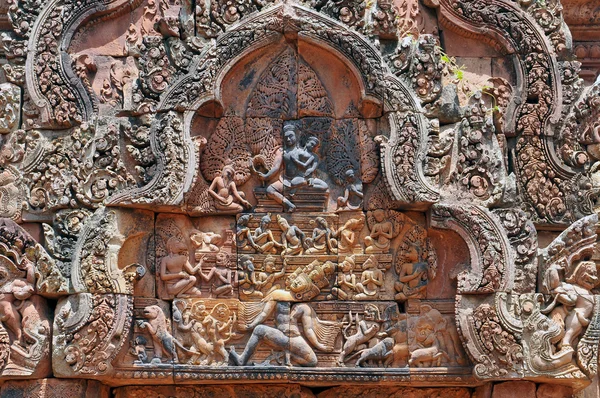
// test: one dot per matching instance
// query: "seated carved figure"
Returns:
(371, 279)
(246, 279)
(380, 238)
(347, 286)
(220, 275)
(243, 235)
(348, 234)
(412, 280)
(353, 194)
(267, 280)
(176, 271)
(292, 170)
(225, 194)
(305, 163)
(323, 241)
(292, 239)
(263, 237)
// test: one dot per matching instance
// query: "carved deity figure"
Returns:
(246, 279)
(572, 301)
(371, 279)
(220, 275)
(293, 168)
(366, 329)
(176, 271)
(243, 234)
(380, 237)
(348, 235)
(346, 286)
(293, 240)
(267, 281)
(297, 330)
(225, 194)
(323, 241)
(263, 237)
(353, 194)
(412, 280)
(301, 163)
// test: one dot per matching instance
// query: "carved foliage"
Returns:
(402, 160)
(492, 261)
(10, 102)
(174, 153)
(89, 331)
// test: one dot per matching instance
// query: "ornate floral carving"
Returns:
(173, 154)
(537, 168)
(492, 268)
(522, 236)
(400, 160)
(89, 331)
(96, 267)
(478, 167)
(10, 102)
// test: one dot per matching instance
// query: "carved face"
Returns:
(371, 263)
(152, 311)
(586, 275)
(290, 138)
(198, 310)
(270, 264)
(220, 312)
(283, 224)
(222, 259)
(300, 283)
(347, 265)
(371, 313)
(311, 144)
(379, 215)
(350, 175)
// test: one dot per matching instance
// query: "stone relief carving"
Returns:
(287, 191)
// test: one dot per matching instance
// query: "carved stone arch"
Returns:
(534, 117)
(380, 91)
(492, 263)
(61, 97)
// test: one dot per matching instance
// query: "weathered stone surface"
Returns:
(54, 388)
(322, 193)
(393, 392)
(525, 389)
(274, 390)
(553, 391)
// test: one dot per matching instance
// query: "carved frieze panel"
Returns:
(195, 257)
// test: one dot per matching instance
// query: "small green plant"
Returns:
(457, 70)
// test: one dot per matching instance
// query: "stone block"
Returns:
(221, 391)
(394, 392)
(510, 389)
(554, 391)
(54, 388)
